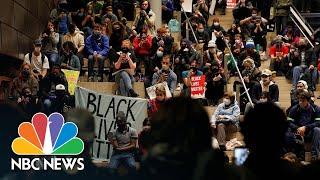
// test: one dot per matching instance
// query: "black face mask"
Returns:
(25, 73)
(117, 31)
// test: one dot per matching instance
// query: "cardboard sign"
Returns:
(151, 91)
(72, 78)
(198, 86)
(104, 109)
(231, 4)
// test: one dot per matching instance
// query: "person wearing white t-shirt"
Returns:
(39, 62)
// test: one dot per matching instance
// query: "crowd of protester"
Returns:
(176, 140)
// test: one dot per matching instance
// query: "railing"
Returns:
(302, 24)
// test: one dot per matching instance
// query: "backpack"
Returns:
(42, 57)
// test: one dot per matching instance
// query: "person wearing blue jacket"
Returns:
(97, 47)
(304, 123)
(226, 118)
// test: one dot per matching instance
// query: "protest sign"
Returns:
(187, 5)
(198, 86)
(231, 4)
(104, 109)
(72, 78)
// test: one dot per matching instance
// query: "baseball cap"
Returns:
(37, 42)
(60, 87)
(250, 44)
(266, 72)
(121, 116)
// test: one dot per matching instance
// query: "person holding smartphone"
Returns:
(126, 65)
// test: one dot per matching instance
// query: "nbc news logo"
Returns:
(47, 136)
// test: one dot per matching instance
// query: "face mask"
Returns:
(185, 49)
(254, 15)
(96, 34)
(25, 73)
(226, 101)
(263, 100)
(216, 24)
(238, 41)
(200, 30)
(37, 49)
(159, 53)
(117, 30)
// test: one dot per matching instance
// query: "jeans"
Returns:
(297, 72)
(223, 130)
(126, 158)
(281, 23)
(53, 58)
(91, 62)
(313, 135)
(124, 79)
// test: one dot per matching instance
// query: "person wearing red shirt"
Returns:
(278, 52)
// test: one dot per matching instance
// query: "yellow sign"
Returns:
(72, 78)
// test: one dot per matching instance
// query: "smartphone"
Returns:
(240, 155)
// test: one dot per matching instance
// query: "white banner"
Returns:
(187, 6)
(104, 108)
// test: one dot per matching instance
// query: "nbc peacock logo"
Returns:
(47, 136)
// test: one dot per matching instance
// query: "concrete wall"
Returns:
(21, 21)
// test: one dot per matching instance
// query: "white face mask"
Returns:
(238, 41)
(226, 101)
(159, 53)
(216, 24)
(185, 49)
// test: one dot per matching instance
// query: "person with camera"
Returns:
(184, 56)
(38, 61)
(226, 118)
(165, 74)
(210, 56)
(124, 143)
(146, 18)
(50, 40)
(97, 46)
(216, 81)
(125, 67)
(278, 52)
(24, 80)
(218, 32)
(203, 8)
(304, 121)
(48, 87)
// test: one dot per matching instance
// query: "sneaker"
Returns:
(90, 79)
(100, 79)
(132, 93)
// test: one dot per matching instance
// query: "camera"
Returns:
(240, 155)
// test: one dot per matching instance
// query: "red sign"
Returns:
(231, 4)
(198, 86)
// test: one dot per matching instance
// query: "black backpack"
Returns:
(42, 57)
